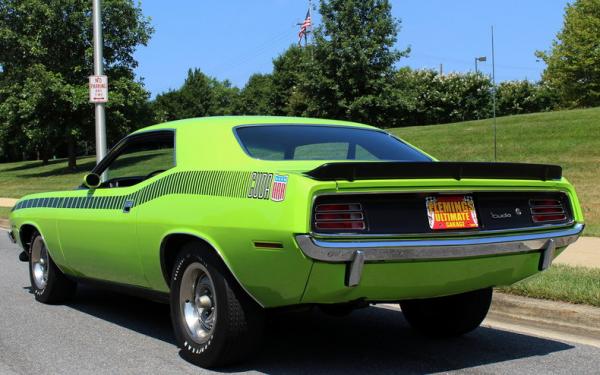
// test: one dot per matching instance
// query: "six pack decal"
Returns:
(279, 185)
(232, 184)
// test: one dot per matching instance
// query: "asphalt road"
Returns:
(102, 332)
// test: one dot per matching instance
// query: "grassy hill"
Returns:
(568, 138)
(22, 178)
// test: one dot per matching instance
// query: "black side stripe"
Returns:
(231, 184)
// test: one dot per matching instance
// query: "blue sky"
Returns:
(233, 39)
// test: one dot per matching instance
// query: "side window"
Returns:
(140, 158)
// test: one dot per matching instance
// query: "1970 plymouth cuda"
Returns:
(226, 217)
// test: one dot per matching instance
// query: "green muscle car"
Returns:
(227, 217)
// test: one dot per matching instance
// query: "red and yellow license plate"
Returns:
(451, 212)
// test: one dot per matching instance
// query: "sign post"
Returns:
(99, 85)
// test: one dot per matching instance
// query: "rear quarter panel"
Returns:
(232, 224)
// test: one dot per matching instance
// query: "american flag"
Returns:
(304, 27)
(279, 185)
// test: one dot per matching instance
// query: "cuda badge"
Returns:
(267, 185)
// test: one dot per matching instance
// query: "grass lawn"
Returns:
(4, 212)
(561, 283)
(22, 178)
(568, 138)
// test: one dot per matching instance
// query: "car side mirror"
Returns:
(91, 180)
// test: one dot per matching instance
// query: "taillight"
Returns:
(339, 216)
(547, 210)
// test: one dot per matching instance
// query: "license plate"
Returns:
(451, 212)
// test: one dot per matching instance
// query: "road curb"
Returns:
(562, 317)
(4, 224)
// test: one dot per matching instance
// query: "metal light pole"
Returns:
(98, 71)
(479, 59)
(494, 96)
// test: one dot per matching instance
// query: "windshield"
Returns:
(315, 142)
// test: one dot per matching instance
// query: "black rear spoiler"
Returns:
(351, 171)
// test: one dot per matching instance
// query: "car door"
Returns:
(98, 232)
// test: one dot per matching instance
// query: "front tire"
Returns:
(48, 284)
(448, 316)
(215, 322)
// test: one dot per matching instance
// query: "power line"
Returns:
(467, 63)
(251, 53)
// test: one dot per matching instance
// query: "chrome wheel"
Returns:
(39, 263)
(198, 303)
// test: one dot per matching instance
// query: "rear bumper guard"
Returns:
(356, 253)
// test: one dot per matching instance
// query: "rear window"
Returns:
(315, 142)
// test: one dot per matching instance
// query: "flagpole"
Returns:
(310, 27)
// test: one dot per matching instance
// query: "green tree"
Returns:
(199, 96)
(352, 62)
(573, 63)
(256, 96)
(287, 76)
(426, 97)
(46, 57)
(517, 97)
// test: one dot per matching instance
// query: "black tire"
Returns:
(54, 287)
(237, 324)
(448, 316)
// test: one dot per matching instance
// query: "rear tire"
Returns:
(448, 316)
(48, 284)
(215, 322)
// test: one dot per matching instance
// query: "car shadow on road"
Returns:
(137, 314)
(369, 340)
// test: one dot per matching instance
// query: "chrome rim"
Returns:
(39, 263)
(198, 303)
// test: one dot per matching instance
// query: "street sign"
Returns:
(98, 89)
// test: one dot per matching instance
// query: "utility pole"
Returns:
(494, 97)
(441, 70)
(99, 71)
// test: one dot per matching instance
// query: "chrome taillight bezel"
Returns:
(547, 210)
(350, 217)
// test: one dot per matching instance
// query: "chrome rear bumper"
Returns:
(358, 252)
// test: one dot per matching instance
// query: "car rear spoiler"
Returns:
(351, 171)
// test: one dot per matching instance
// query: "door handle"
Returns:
(127, 206)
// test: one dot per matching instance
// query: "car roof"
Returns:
(233, 121)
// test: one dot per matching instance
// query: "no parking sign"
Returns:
(98, 89)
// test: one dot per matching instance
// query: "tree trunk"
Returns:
(72, 153)
(44, 155)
